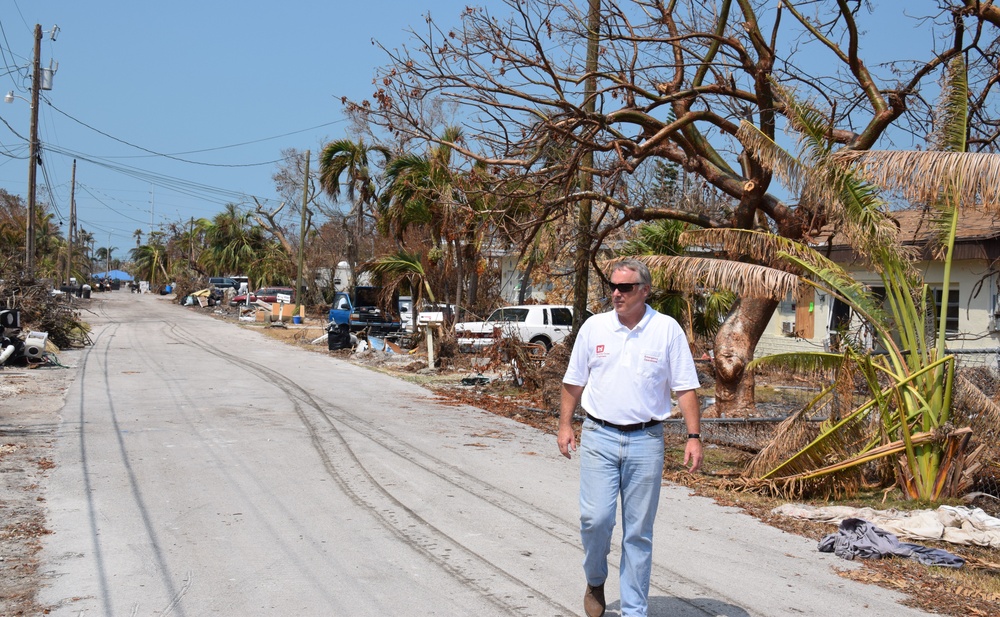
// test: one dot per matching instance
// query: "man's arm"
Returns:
(569, 400)
(690, 409)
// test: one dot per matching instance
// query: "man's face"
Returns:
(629, 304)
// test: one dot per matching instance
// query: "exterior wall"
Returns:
(978, 323)
(510, 284)
(510, 278)
(776, 339)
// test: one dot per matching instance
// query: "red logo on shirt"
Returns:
(600, 349)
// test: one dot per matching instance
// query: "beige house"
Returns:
(806, 321)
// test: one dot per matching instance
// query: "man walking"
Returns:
(623, 367)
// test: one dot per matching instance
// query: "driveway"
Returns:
(204, 469)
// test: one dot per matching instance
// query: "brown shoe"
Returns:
(593, 601)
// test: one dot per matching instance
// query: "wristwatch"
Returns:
(694, 435)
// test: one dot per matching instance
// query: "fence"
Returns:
(749, 434)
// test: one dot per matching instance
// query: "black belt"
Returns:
(625, 428)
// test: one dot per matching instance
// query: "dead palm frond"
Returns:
(921, 176)
(851, 207)
(695, 274)
(792, 434)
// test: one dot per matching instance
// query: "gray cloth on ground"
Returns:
(859, 539)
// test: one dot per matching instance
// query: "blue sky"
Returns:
(188, 79)
(224, 85)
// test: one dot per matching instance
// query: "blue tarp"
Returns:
(120, 275)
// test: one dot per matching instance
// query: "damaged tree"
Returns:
(674, 80)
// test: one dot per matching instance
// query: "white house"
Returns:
(805, 321)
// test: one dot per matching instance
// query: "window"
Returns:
(509, 314)
(788, 304)
(562, 317)
(951, 320)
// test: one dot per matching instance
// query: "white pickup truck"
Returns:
(544, 324)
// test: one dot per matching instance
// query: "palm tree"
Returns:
(420, 190)
(345, 167)
(137, 234)
(151, 260)
(87, 243)
(426, 191)
(234, 245)
(403, 267)
(104, 255)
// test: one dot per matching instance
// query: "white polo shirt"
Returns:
(628, 374)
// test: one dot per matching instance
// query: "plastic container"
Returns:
(296, 319)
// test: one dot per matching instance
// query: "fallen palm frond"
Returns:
(793, 434)
(836, 441)
(828, 480)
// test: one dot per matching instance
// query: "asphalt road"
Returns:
(203, 469)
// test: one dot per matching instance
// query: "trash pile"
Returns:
(34, 322)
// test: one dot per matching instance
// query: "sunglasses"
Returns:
(623, 288)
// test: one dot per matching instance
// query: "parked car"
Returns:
(359, 310)
(223, 282)
(264, 294)
(543, 324)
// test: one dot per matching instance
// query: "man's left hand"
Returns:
(693, 455)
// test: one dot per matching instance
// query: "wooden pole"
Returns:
(29, 244)
(72, 225)
(302, 237)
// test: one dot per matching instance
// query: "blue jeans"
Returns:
(630, 465)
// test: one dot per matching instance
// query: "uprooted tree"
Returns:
(674, 81)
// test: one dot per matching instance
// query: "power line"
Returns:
(245, 143)
(185, 187)
(90, 192)
(153, 152)
(48, 186)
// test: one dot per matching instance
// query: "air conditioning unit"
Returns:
(788, 328)
(34, 345)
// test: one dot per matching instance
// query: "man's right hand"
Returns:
(569, 399)
(566, 440)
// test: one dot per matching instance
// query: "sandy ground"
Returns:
(30, 400)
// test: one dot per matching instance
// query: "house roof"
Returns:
(978, 235)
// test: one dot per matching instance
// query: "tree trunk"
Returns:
(734, 349)
(460, 262)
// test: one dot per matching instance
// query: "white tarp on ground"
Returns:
(954, 524)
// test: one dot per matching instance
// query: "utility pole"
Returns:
(583, 220)
(152, 205)
(72, 225)
(302, 238)
(29, 249)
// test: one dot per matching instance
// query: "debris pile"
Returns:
(41, 310)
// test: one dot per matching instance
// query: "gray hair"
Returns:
(635, 266)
